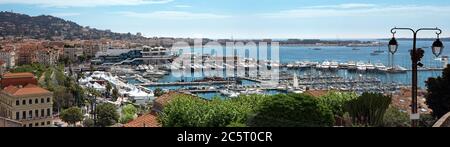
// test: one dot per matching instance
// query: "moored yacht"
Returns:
(370, 66)
(351, 65)
(380, 67)
(325, 65)
(361, 66)
(334, 65)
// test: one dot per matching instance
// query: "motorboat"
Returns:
(343, 65)
(370, 66)
(334, 65)
(351, 65)
(380, 66)
(325, 65)
(361, 66)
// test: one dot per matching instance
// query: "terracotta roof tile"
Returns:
(148, 120)
(27, 90)
(18, 75)
(165, 98)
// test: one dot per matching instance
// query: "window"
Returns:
(48, 112)
(24, 126)
(42, 100)
(24, 115)
(36, 101)
(48, 100)
(42, 112)
(24, 102)
(30, 101)
(36, 124)
(36, 113)
(48, 122)
(17, 115)
(30, 125)
(17, 102)
(30, 113)
(42, 123)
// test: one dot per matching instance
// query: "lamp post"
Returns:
(416, 56)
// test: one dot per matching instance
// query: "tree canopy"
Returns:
(107, 114)
(72, 115)
(292, 110)
(438, 94)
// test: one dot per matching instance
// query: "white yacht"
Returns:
(380, 66)
(351, 65)
(325, 65)
(361, 66)
(334, 65)
(370, 66)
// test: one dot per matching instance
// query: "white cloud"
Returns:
(174, 15)
(64, 14)
(183, 6)
(83, 3)
(363, 10)
(344, 6)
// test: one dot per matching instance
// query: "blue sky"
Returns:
(246, 18)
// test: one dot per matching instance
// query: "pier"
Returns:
(188, 83)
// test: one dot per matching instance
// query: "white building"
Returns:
(9, 57)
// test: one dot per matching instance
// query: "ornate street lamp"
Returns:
(393, 45)
(437, 47)
(416, 56)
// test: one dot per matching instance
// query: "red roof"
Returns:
(27, 90)
(167, 97)
(148, 120)
(18, 75)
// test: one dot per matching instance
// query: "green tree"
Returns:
(368, 109)
(128, 113)
(438, 94)
(106, 114)
(129, 109)
(395, 118)
(337, 100)
(108, 88)
(62, 99)
(190, 111)
(158, 92)
(126, 118)
(292, 110)
(72, 115)
(115, 94)
(88, 122)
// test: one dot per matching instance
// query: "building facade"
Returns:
(72, 53)
(8, 57)
(26, 102)
(48, 57)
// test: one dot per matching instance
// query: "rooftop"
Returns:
(27, 90)
(165, 98)
(18, 75)
(148, 120)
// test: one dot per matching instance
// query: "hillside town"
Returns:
(56, 73)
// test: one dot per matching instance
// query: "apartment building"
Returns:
(25, 101)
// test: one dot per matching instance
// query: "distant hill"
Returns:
(48, 27)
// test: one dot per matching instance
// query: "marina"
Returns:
(332, 68)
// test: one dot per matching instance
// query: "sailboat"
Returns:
(377, 52)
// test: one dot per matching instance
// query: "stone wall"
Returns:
(4, 122)
(444, 121)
